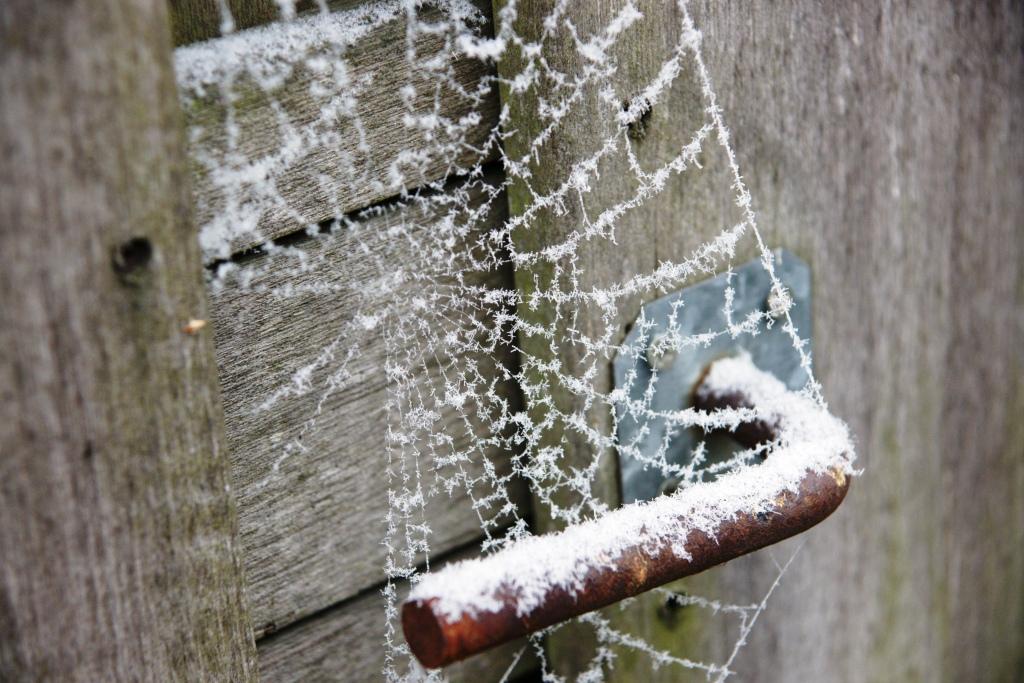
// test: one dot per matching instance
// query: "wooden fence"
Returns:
(882, 143)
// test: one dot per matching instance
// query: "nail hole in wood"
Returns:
(670, 610)
(639, 110)
(132, 255)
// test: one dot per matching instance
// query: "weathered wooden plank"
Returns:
(312, 521)
(118, 556)
(344, 644)
(349, 157)
(692, 207)
(898, 177)
(883, 145)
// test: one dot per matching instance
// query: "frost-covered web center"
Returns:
(480, 312)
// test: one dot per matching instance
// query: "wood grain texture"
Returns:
(342, 645)
(897, 175)
(193, 21)
(346, 162)
(311, 528)
(118, 554)
(882, 144)
(196, 20)
(692, 208)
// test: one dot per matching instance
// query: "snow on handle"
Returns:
(470, 606)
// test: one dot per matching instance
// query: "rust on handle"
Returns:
(439, 635)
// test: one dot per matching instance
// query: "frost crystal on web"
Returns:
(464, 201)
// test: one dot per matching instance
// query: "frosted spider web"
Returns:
(464, 339)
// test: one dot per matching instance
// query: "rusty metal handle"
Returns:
(471, 606)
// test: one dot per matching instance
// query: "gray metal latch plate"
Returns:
(700, 310)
